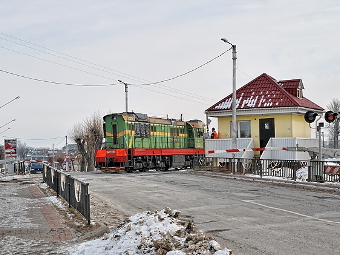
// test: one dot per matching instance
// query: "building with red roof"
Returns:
(266, 108)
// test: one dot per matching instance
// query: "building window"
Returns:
(299, 93)
(243, 129)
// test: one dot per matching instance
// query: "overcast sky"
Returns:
(140, 42)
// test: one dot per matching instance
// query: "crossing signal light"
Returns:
(330, 116)
(310, 116)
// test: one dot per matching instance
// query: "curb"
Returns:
(324, 187)
(96, 233)
(76, 235)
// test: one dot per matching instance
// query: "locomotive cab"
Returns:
(195, 130)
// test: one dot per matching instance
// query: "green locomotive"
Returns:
(134, 141)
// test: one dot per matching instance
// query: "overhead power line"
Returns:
(89, 85)
(69, 57)
(35, 139)
(112, 84)
(58, 83)
(53, 62)
(97, 67)
(192, 70)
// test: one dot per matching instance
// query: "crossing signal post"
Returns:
(330, 116)
(310, 116)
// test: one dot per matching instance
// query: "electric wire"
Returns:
(123, 74)
(58, 83)
(192, 70)
(69, 57)
(34, 139)
(102, 85)
(147, 88)
(53, 62)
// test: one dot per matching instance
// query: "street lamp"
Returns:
(5, 130)
(126, 95)
(233, 118)
(10, 101)
(7, 123)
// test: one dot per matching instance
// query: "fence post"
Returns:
(69, 190)
(294, 171)
(56, 173)
(87, 204)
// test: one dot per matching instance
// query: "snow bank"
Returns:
(153, 233)
(302, 174)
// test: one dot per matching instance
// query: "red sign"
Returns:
(10, 148)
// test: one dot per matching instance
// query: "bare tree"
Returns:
(60, 159)
(333, 128)
(22, 150)
(88, 136)
(2, 152)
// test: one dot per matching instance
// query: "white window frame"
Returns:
(239, 128)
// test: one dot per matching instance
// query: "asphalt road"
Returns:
(247, 217)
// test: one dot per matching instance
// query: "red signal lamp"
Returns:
(330, 116)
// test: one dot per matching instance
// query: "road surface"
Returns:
(246, 217)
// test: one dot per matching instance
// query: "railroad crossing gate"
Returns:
(332, 169)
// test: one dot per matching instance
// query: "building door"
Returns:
(267, 130)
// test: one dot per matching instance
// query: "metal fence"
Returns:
(306, 170)
(19, 167)
(73, 191)
(12, 166)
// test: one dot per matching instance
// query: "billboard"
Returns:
(10, 148)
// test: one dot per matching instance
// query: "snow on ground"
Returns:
(153, 233)
(14, 212)
(301, 175)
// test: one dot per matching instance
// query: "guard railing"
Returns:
(73, 191)
(304, 170)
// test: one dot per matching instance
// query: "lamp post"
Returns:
(233, 118)
(10, 101)
(5, 130)
(7, 123)
(126, 95)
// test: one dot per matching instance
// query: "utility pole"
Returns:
(66, 155)
(233, 118)
(234, 124)
(126, 95)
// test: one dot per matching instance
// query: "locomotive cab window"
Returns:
(142, 130)
(131, 126)
(198, 133)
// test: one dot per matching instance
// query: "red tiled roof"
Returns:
(291, 83)
(265, 92)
